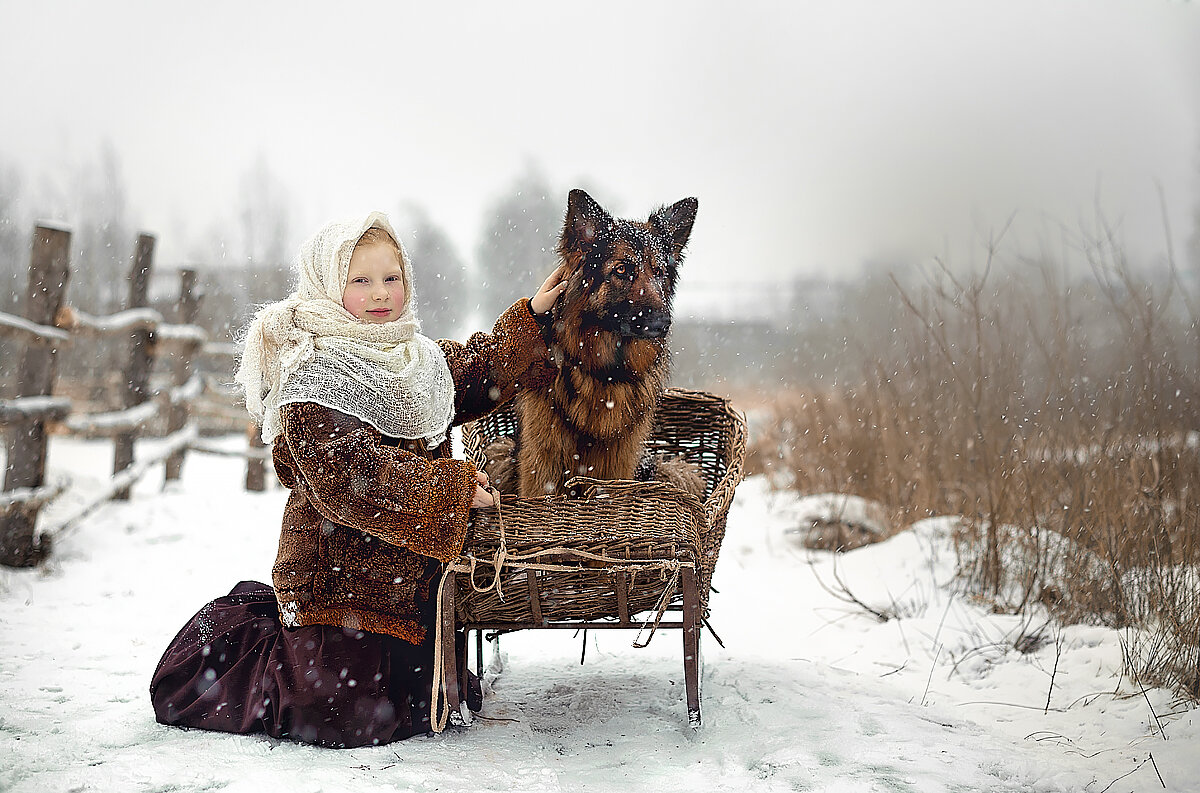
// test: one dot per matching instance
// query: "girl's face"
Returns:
(375, 284)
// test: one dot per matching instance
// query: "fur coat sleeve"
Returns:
(353, 479)
(491, 368)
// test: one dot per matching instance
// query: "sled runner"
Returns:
(612, 554)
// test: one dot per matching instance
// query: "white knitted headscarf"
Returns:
(309, 348)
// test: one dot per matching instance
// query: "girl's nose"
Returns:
(380, 292)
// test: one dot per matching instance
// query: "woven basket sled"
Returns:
(616, 554)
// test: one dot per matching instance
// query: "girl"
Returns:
(357, 406)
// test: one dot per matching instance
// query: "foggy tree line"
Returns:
(453, 298)
(244, 259)
(831, 328)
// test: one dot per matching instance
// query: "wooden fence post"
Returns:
(49, 269)
(256, 467)
(137, 373)
(181, 365)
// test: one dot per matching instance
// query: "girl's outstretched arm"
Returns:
(492, 367)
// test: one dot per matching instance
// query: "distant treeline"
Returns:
(244, 259)
(817, 332)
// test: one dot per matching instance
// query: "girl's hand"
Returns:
(482, 499)
(551, 288)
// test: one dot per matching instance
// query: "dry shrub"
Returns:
(1056, 417)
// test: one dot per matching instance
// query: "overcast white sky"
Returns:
(816, 135)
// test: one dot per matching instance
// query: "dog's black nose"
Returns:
(651, 325)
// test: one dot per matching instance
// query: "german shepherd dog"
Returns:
(607, 333)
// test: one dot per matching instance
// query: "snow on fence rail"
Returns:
(31, 332)
(49, 325)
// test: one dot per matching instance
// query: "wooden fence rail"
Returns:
(49, 325)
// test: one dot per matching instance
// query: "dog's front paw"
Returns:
(672, 470)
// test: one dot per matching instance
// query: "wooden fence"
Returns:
(48, 325)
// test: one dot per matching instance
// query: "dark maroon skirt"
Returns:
(233, 667)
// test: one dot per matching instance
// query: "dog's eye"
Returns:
(621, 270)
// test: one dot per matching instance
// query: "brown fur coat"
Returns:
(371, 519)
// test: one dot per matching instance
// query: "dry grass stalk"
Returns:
(1057, 417)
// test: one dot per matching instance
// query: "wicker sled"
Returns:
(617, 554)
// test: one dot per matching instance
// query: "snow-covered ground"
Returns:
(809, 693)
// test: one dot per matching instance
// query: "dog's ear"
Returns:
(675, 223)
(585, 220)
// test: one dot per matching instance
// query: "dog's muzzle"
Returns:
(645, 324)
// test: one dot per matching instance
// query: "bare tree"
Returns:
(103, 242)
(245, 260)
(14, 255)
(103, 233)
(13, 229)
(518, 246)
(440, 275)
(264, 216)
(1192, 261)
